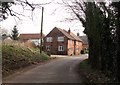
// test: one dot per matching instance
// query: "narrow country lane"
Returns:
(61, 70)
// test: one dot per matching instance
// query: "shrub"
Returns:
(44, 56)
(84, 51)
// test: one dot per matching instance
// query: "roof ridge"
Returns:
(70, 36)
(30, 36)
(74, 36)
(65, 33)
(68, 33)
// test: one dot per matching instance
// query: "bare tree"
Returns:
(77, 8)
(6, 8)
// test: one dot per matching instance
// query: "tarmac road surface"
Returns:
(61, 70)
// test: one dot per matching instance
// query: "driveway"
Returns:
(61, 70)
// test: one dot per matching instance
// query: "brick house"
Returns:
(34, 38)
(62, 42)
(85, 41)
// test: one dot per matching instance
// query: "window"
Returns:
(60, 48)
(49, 39)
(48, 48)
(60, 39)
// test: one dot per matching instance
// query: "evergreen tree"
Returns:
(15, 33)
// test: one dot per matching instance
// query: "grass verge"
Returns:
(92, 76)
(14, 58)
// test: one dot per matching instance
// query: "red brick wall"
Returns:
(85, 46)
(54, 44)
(74, 50)
(78, 47)
(70, 47)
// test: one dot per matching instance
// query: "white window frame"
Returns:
(48, 48)
(49, 39)
(60, 48)
(60, 39)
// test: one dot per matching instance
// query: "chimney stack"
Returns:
(78, 34)
(69, 31)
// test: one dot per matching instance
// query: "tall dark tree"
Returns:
(15, 33)
(116, 6)
(102, 26)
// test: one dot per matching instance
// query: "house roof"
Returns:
(30, 36)
(66, 33)
(84, 39)
(69, 35)
(75, 37)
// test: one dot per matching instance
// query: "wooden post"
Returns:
(41, 34)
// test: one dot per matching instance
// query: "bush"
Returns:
(93, 76)
(44, 56)
(84, 51)
(48, 53)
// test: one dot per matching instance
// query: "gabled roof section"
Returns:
(84, 39)
(31, 36)
(75, 37)
(66, 33)
(70, 36)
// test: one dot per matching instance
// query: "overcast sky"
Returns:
(53, 15)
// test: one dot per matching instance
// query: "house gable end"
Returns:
(55, 33)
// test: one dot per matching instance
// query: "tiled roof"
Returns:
(30, 36)
(75, 37)
(70, 36)
(66, 34)
(84, 39)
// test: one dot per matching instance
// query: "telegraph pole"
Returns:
(41, 34)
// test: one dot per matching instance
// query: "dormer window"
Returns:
(60, 39)
(49, 39)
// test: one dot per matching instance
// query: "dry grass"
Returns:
(17, 55)
(10, 42)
